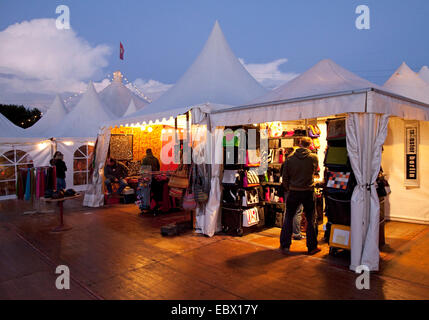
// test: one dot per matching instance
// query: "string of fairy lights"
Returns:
(128, 84)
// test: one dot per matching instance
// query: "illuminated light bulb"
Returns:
(150, 129)
(170, 131)
(68, 143)
(163, 131)
(91, 144)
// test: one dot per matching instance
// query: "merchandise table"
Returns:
(60, 202)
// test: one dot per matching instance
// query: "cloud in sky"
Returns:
(151, 88)
(268, 74)
(36, 57)
(37, 61)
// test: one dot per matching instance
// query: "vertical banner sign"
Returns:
(411, 153)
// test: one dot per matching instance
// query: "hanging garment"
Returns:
(38, 171)
(27, 187)
(143, 194)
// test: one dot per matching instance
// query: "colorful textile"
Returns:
(338, 180)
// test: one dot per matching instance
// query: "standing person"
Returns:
(156, 186)
(298, 180)
(151, 160)
(115, 172)
(61, 168)
(296, 229)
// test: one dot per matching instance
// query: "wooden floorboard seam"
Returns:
(52, 263)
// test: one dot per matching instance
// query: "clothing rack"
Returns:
(39, 206)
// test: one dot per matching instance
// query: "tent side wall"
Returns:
(37, 151)
(76, 160)
(405, 203)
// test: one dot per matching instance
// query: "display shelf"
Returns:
(273, 203)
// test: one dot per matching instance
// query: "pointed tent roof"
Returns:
(86, 117)
(216, 76)
(54, 115)
(407, 83)
(131, 108)
(424, 73)
(117, 97)
(324, 90)
(8, 129)
(324, 77)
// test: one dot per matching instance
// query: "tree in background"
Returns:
(20, 115)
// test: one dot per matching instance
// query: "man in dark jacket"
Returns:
(151, 160)
(298, 180)
(115, 172)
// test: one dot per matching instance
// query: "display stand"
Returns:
(60, 202)
(39, 207)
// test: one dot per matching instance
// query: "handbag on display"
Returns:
(251, 197)
(180, 178)
(176, 192)
(189, 201)
(250, 217)
(338, 180)
(314, 131)
(251, 178)
(252, 159)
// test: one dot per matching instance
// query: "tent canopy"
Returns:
(131, 108)
(215, 77)
(424, 73)
(54, 115)
(407, 83)
(85, 119)
(8, 129)
(117, 97)
(325, 89)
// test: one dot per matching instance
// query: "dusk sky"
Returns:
(276, 40)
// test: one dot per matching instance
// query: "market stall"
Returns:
(327, 90)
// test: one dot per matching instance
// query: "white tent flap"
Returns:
(366, 133)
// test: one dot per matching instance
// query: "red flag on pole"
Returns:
(121, 51)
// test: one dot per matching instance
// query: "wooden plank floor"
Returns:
(114, 253)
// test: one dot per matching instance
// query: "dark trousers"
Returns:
(294, 199)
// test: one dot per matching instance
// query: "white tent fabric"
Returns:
(117, 98)
(94, 195)
(131, 108)
(54, 115)
(325, 89)
(86, 117)
(8, 129)
(366, 133)
(407, 83)
(216, 76)
(324, 77)
(424, 73)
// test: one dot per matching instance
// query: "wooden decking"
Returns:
(113, 253)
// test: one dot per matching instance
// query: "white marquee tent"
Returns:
(215, 77)
(326, 90)
(409, 204)
(424, 73)
(117, 97)
(8, 129)
(214, 81)
(53, 116)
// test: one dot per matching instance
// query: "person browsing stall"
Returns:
(298, 180)
(151, 160)
(115, 172)
(60, 168)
